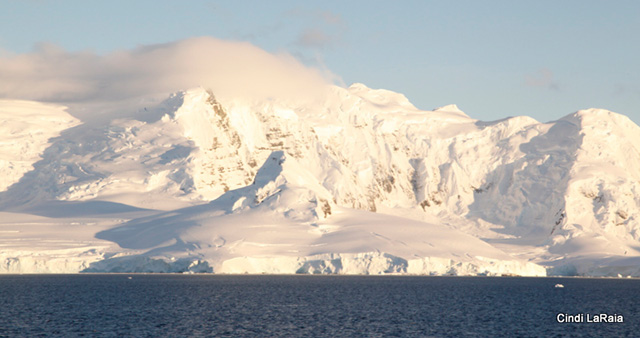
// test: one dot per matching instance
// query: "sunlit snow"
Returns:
(358, 181)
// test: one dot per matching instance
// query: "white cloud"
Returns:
(230, 69)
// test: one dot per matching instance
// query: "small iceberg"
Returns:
(559, 286)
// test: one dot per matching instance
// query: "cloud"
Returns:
(231, 69)
(324, 28)
(323, 16)
(331, 18)
(314, 38)
(543, 78)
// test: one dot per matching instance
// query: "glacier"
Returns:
(353, 181)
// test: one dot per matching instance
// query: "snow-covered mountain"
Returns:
(357, 181)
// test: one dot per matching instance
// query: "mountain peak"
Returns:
(357, 86)
(450, 108)
(599, 118)
(589, 113)
(381, 98)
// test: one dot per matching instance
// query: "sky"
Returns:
(544, 59)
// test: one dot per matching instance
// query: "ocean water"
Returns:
(312, 306)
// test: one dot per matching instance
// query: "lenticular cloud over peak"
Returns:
(229, 68)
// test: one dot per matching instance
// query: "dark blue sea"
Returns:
(311, 306)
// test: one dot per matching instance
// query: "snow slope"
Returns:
(26, 128)
(357, 181)
(285, 223)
